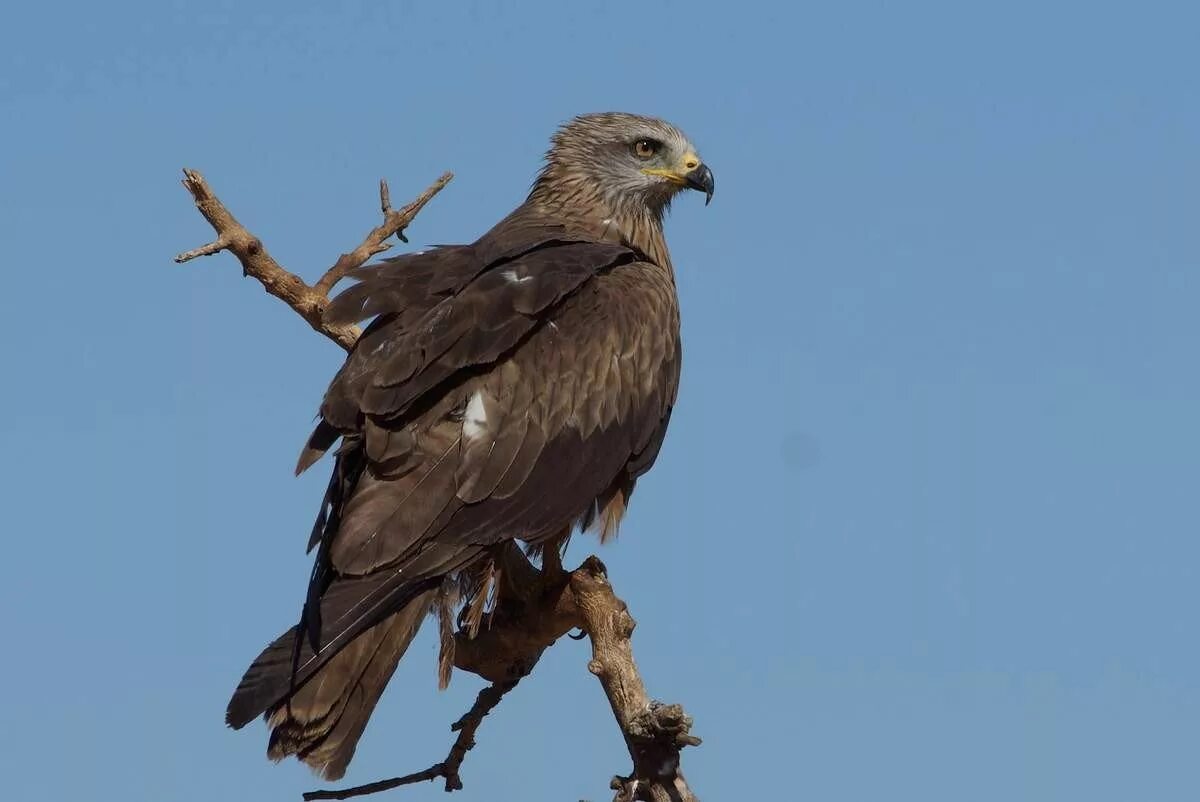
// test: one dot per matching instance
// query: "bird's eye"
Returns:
(645, 148)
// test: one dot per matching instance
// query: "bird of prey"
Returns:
(510, 389)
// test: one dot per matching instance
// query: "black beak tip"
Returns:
(701, 179)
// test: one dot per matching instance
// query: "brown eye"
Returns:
(645, 148)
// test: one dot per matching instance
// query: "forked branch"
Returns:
(466, 726)
(308, 301)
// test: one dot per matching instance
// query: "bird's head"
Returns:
(625, 159)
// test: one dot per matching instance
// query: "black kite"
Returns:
(508, 389)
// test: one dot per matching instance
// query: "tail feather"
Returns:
(322, 721)
(347, 611)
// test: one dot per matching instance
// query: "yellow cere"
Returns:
(689, 162)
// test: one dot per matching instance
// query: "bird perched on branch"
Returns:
(510, 389)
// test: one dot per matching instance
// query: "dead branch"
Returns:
(308, 302)
(394, 222)
(466, 727)
(655, 733)
(535, 607)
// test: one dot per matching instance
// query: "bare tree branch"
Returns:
(655, 733)
(535, 610)
(535, 607)
(466, 727)
(394, 222)
(308, 302)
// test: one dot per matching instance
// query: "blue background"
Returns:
(925, 525)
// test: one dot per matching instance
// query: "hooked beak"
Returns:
(691, 173)
(701, 178)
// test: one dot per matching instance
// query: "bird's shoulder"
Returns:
(459, 307)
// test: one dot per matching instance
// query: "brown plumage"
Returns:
(507, 389)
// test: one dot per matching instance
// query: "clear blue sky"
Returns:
(925, 526)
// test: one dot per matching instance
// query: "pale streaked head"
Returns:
(627, 158)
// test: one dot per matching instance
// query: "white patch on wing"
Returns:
(512, 278)
(474, 417)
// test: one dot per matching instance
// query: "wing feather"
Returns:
(386, 518)
(548, 332)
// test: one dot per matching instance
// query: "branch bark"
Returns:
(535, 607)
(308, 302)
(466, 726)
(654, 733)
